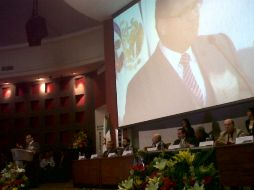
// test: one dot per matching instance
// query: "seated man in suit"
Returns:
(126, 146)
(183, 140)
(186, 71)
(110, 149)
(157, 142)
(229, 135)
(181, 136)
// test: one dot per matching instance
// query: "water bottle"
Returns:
(182, 143)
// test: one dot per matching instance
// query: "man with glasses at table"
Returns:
(229, 135)
(186, 71)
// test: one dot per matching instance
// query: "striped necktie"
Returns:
(190, 80)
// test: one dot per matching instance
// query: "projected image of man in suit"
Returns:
(186, 71)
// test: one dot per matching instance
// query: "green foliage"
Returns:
(80, 140)
(183, 170)
(13, 178)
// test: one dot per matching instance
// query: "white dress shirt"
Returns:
(173, 59)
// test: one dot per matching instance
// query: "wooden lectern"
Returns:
(21, 155)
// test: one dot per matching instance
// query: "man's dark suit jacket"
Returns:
(177, 141)
(34, 146)
(107, 152)
(190, 140)
(157, 90)
(160, 145)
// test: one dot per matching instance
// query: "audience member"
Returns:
(61, 161)
(201, 135)
(249, 123)
(229, 135)
(157, 142)
(47, 167)
(110, 149)
(47, 161)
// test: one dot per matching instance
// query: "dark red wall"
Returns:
(99, 90)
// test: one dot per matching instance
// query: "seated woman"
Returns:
(186, 125)
(201, 135)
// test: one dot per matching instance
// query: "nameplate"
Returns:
(81, 158)
(206, 143)
(151, 149)
(94, 156)
(245, 139)
(126, 152)
(111, 155)
(172, 147)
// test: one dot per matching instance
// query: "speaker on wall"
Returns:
(36, 29)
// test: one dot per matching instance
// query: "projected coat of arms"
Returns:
(128, 44)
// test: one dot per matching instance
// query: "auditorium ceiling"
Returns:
(62, 17)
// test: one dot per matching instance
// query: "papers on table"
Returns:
(126, 152)
(94, 156)
(150, 149)
(206, 143)
(245, 139)
(112, 155)
(172, 147)
(81, 158)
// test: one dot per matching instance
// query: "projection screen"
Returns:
(175, 56)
